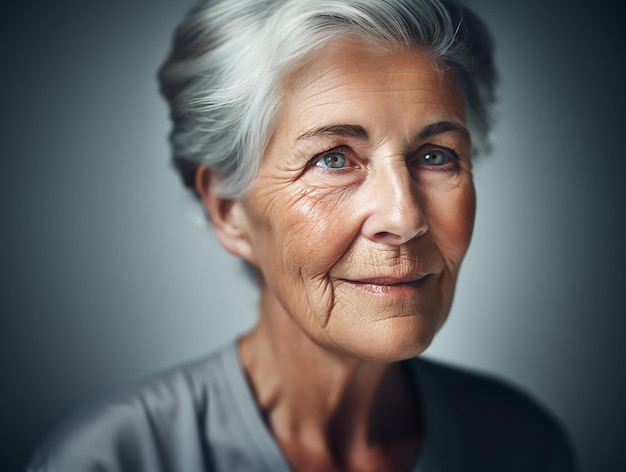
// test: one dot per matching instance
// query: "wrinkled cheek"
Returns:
(316, 235)
(314, 238)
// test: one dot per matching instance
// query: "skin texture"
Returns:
(357, 222)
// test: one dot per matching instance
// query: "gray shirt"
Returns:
(202, 417)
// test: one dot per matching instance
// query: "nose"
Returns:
(394, 212)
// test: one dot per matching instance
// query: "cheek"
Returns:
(451, 220)
(305, 230)
(298, 237)
(318, 228)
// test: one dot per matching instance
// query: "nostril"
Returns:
(401, 235)
(386, 235)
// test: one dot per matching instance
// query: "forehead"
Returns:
(347, 82)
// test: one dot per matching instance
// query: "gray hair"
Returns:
(223, 76)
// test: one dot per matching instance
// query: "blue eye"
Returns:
(445, 158)
(435, 157)
(332, 160)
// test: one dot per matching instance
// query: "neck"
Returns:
(332, 404)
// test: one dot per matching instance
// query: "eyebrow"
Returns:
(442, 127)
(345, 131)
(358, 132)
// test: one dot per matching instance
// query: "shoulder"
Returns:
(126, 430)
(479, 394)
(498, 422)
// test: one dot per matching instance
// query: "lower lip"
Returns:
(404, 290)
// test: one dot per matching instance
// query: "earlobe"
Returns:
(225, 214)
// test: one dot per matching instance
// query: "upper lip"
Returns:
(389, 279)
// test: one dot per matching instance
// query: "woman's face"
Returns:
(364, 205)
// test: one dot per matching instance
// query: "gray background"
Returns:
(106, 275)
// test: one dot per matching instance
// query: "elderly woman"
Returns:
(330, 142)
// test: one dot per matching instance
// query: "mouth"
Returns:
(407, 285)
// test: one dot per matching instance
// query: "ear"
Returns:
(226, 215)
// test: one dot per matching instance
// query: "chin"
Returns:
(393, 339)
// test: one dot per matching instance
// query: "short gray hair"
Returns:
(223, 76)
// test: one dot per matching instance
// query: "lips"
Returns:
(396, 286)
(408, 279)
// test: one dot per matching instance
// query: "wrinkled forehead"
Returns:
(355, 82)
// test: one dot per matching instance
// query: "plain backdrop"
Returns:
(106, 275)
